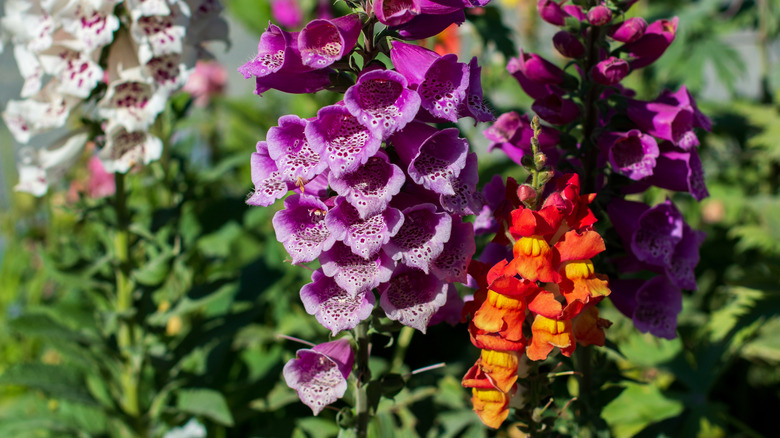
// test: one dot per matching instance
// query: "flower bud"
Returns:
(552, 12)
(599, 15)
(610, 71)
(630, 30)
(526, 194)
(555, 109)
(568, 45)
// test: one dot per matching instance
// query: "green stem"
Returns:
(402, 344)
(363, 377)
(591, 92)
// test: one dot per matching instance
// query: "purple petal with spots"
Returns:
(680, 170)
(493, 193)
(421, 238)
(301, 228)
(466, 200)
(658, 302)
(381, 101)
(289, 148)
(352, 272)
(631, 153)
(345, 142)
(451, 265)
(266, 177)
(319, 375)
(474, 106)
(685, 259)
(452, 309)
(672, 117)
(317, 187)
(323, 42)
(335, 308)
(396, 12)
(412, 297)
(659, 231)
(371, 187)
(271, 53)
(364, 236)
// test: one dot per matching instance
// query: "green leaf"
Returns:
(205, 402)
(638, 406)
(57, 381)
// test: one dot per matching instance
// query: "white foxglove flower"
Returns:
(43, 112)
(158, 35)
(38, 168)
(133, 102)
(90, 21)
(125, 149)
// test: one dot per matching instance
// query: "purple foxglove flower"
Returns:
(442, 80)
(272, 52)
(267, 179)
(575, 11)
(682, 97)
(536, 90)
(345, 142)
(371, 187)
(599, 15)
(294, 82)
(672, 117)
(512, 134)
(555, 109)
(685, 258)
(568, 45)
(679, 170)
(317, 187)
(434, 158)
(301, 228)
(396, 12)
(421, 238)
(656, 39)
(288, 13)
(493, 193)
(466, 200)
(319, 375)
(412, 297)
(538, 69)
(452, 263)
(363, 236)
(323, 42)
(427, 25)
(452, 309)
(610, 71)
(630, 30)
(474, 106)
(382, 102)
(631, 153)
(335, 308)
(552, 12)
(653, 305)
(297, 161)
(658, 232)
(352, 272)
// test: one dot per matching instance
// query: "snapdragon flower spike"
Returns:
(345, 142)
(334, 307)
(656, 39)
(421, 237)
(323, 42)
(300, 227)
(653, 305)
(371, 187)
(382, 101)
(266, 177)
(298, 161)
(412, 297)
(631, 153)
(396, 12)
(319, 375)
(354, 273)
(365, 237)
(441, 81)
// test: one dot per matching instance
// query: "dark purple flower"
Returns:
(452, 309)
(517, 68)
(323, 42)
(364, 236)
(301, 228)
(631, 153)
(672, 117)
(653, 43)
(452, 263)
(568, 45)
(319, 375)
(294, 82)
(266, 177)
(466, 200)
(427, 25)
(685, 258)
(396, 12)
(346, 143)
(287, 12)
(474, 106)
(335, 308)
(610, 71)
(381, 101)
(599, 15)
(421, 238)
(630, 30)
(658, 232)
(371, 187)
(552, 12)
(653, 305)
(538, 69)
(680, 170)
(493, 193)
(412, 297)
(352, 272)
(512, 134)
(555, 109)
(297, 161)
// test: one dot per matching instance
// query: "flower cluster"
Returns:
(418, 19)
(548, 281)
(127, 57)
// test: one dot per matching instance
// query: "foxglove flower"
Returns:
(319, 375)
(371, 187)
(273, 52)
(610, 71)
(412, 297)
(630, 30)
(512, 134)
(125, 149)
(599, 15)
(266, 177)
(354, 273)
(451, 265)
(40, 167)
(323, 42)
(631, 153)
(366, 236)
(556, 109)
(552, 12)
(334, 307)
(466, 200)
(680, 170)
(653, 305)
(298, 161)
(656, 39)
(568, 45)
(288, 13)
(396, 12)
(133, 103)
(382, 101)
(672, 117)
(421, 237)
(300, 227)
(41, 113)
(427, 25)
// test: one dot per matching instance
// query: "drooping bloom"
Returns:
(300, 227)
(335, 308)
(671, 117)
(631, 153)
(319, 375)
(412, 297)
(382, 101)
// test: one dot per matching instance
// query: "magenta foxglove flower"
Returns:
(346, 143)
(427, 25)
(288, 13)
(653, 43)
(537, 90)
(453, 262)
(365, 237)
(493, 193)
(412, 297)
(679, 170)
(371, 187)
(266, 177)
(273, 51)
(538, 69)
(352, 272)
(631, 153)
(421, 237)
(323, 42)
(672, 117)
(512, 134)
(335, 308)
(382, 101)
(396, 12)
(319, 375)
(298, 161)
(451, 311)
(610, 71)
(466, 200)
(300, 227)
(555, 109)
(552, 11)
(630, 30)
(568, 45)
(653, 305)
(599, 15)
(475, 105)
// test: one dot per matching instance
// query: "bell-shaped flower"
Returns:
(171, 72)
(382, 101)
(568, 45)
(371, 187)
(335, 308)
(412, 297)
(631, 153)
(493, 193)
(365, 237)
(451, 311)
(125, 149)
(429, 24)
(652, 44)
(29, 24)
(421, 237)
(629, 31)
(556, 109)
(538, 69)
(552, 12)
(474, 106)
(158, 35)
(76, 71)
(142, 8)
(323, 42)
(672, 117)
(658, 232)
(266, 177)
(92, 23)
(319, 375)
(43, 112)
(273, 51)
(38, 168)
(288, 13)
(512, 134)
(354, 273)
(300, 227)
(346, 144)
(298, 160)
(452, 263)
(396, 12)
(653, 305)
(133, 101)
(467, 199)
(599, 15)
(610, 71)
(679, 170)
(294, 82)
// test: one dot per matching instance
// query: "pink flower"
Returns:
(207, 80)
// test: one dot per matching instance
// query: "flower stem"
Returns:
(402, 344)
(363, 377)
